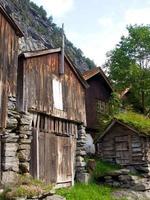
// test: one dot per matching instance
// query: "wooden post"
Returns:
(61, 70)
(37, 149)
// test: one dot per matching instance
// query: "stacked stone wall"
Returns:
(15, 144)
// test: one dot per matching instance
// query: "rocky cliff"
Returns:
(41, 32)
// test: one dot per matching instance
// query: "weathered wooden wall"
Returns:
(53, 150)
(123, 146)
(8, 65)
(98, 90)
(35, 90)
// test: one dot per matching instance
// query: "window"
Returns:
(57, 94)
(102, 106)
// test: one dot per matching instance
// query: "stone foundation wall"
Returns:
(15, 144)
(81, 172)
(123, 179)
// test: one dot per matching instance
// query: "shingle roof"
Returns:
(95, 71)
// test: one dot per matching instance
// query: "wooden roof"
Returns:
(51, 51)
(115, 121)
(124, 92)
(96, 71)
(11, 22)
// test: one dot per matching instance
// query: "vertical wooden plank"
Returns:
(33, 160)
(50, 158)
(42, 163)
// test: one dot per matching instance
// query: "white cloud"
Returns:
(105, 21)
(56, 8)
(96, 45)
(138, 16)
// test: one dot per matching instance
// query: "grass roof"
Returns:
(139, 122)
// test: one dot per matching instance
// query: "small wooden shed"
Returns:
(57, 103)
(97, 97)
(9, 35)
(124, 145)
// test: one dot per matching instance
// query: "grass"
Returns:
(25, 186)
(86, 192)
(137, 121)
(103, 168)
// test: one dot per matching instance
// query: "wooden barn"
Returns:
(97, 97)
(124, 145)
(9, 35)
(55, 96)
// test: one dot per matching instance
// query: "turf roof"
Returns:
(139, 122)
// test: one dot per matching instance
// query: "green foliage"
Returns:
(129, 64)
(138, 121)
(103, 168)
(87, 192)
(104, 119)
(114, 104)
(40, 10)
(26, 186)
(46, 30)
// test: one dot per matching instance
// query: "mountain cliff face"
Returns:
(41, 32)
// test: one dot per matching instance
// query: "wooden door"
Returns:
(122, 150)
(64, 160)
(53, 158)
(43, 162)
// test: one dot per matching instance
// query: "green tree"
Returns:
(129, 64)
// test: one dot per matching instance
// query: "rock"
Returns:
(25, 141)
(10, 138)
(79, 159)
(24, 167)
(12, 103)
(55, 197)
(24, 147)
(14, 166)
(116, 184)
(10, 146)
(91, 165)
(80, 164)
(129, 194)
(81, 152)
(83, 177)
(89, 144)
(25, 128)
(9, 177)
(119, 172)
(24, 155)
(26, 119)
(28, 132)
(10, 153)
(12, 123)
(124, 178)
(108, 178)
(142, 185)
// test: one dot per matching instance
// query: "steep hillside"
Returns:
(41, 32)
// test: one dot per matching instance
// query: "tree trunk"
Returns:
(143, 102)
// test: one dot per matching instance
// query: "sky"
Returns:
(96, 26)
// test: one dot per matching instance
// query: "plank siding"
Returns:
(52, 160)
(122, 146)
(98, 90)
(37, 75)
(8, 65)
